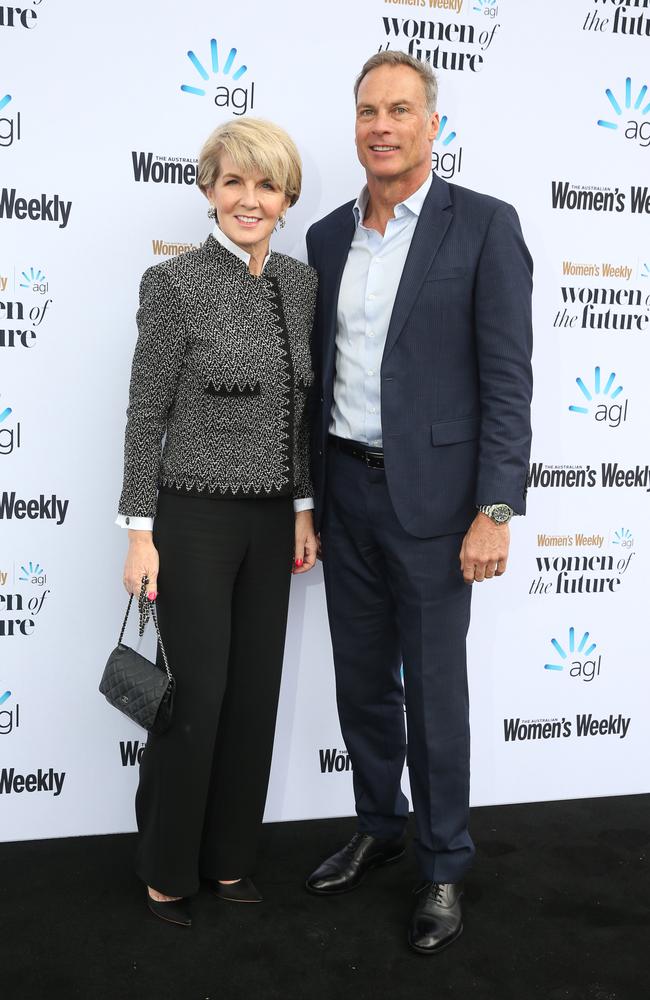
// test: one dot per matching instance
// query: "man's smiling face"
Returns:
(394, 132)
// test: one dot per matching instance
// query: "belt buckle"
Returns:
(372, 461)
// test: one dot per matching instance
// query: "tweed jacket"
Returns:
(222, 372)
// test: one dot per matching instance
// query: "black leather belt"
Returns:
(372, 457)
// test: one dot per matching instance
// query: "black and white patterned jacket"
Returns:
(222, 371)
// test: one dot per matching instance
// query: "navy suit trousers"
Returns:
(394, 599)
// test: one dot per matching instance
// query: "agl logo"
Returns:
(236, 99)
(9, 716)
(577, 659)
(487, 8)
(636, 129)
(447, 164)
(9, 125)
(9, 436)
(606, 411)
(624, 538)
(34, 279)
(33, 573)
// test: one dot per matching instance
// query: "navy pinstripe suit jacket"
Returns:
(456, 380)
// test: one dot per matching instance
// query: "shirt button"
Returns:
(128, 520)
(371, 297)
(371, 333)
(371, 409)
(370, 371)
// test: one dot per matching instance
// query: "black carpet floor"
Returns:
(557, 908)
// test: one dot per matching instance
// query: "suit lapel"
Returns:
(434, 221)
(339, 246)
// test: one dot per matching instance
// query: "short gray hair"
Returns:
(392, 57)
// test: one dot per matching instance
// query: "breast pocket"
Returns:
(448, 274)
(226, 363)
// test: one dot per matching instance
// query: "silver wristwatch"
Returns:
(500, 513)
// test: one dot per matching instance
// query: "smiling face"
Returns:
(394, 132)
(248, 206)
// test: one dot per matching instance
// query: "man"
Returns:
(422, 351)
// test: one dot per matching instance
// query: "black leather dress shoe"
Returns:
(174, 911)
(345, 869)
(437, 918)
(243, 891)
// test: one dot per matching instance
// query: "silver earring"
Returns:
(282, 222)
(212, 214)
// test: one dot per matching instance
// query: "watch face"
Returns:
(501, 513)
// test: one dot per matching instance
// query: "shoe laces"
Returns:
(433, 891)
(352, 845)
(436, 892)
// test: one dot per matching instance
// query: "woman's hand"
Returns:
(141, 560)
(306, 544)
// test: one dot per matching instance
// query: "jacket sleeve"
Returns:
(503, 323)
(303, 487)
(157, 363)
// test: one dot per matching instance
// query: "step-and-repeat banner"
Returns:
(103, 109)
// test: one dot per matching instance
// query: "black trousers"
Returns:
(395, 599)
(222, 607)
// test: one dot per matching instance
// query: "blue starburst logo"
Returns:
(480, 6)
(30, 571)
(449, 138)
(4, 101)
(5, 413)
(623, 536)
(31, 277)
(214, 68)
(598, 390)
(584, 649)
(629, 106)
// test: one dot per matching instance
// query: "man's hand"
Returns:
(484, 552)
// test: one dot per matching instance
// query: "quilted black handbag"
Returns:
(135, 685)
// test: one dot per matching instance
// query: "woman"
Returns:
(222, 371)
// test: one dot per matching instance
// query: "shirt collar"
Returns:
(226, 242)
(411, 204)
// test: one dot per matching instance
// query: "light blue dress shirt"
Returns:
(368, 288)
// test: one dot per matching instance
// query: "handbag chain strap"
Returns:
(143, 621)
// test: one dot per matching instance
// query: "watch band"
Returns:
(500, 513)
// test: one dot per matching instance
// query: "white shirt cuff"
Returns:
(134, 523)
(307, 503)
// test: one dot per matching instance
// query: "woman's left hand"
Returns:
(306, 543)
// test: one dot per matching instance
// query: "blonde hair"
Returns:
(253, 145)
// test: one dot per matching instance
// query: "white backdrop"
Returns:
(86, 94)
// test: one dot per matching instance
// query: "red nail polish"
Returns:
(298, 562)
(152, 595)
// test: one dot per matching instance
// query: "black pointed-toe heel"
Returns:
(174, 911)
(243, 891)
